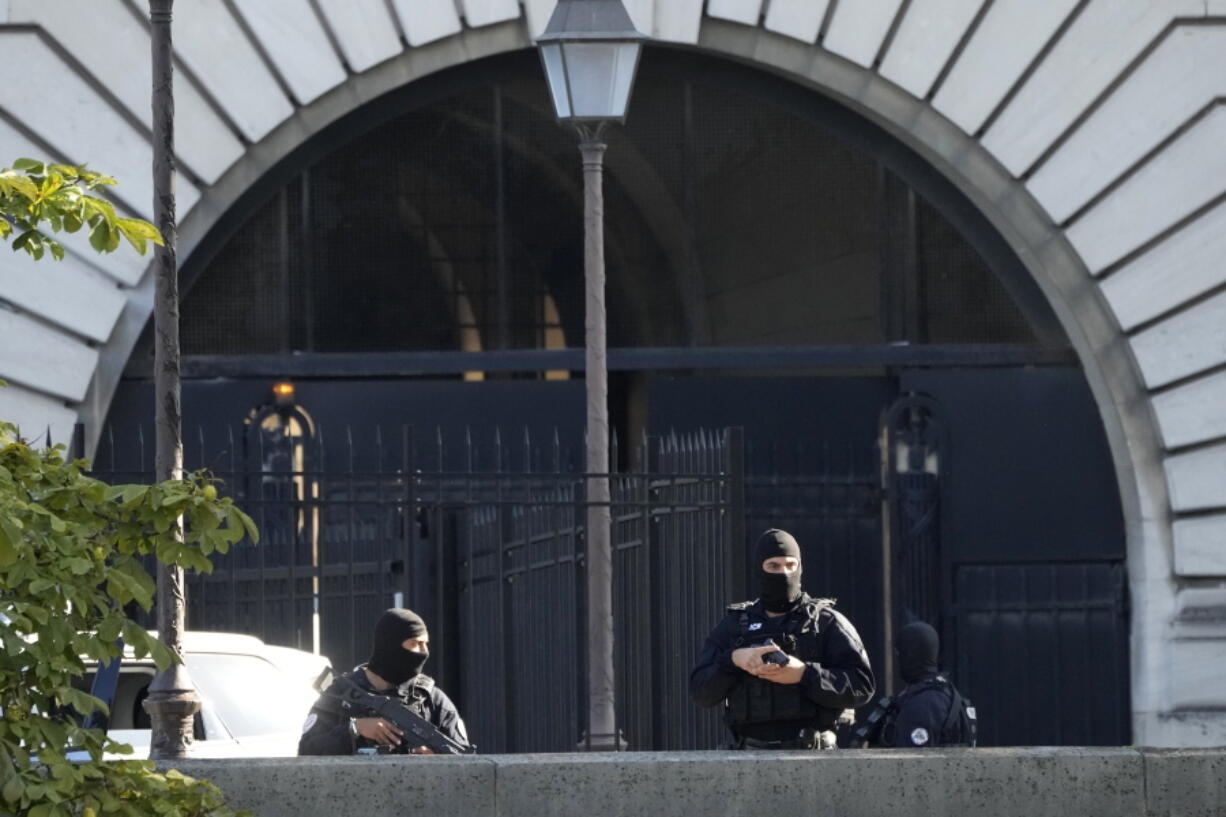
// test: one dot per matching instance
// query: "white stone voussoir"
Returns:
(1198, 479)
(1186, 175)
(43, 358)
(858, 30)
(1184, 73)
(1183, 345)
(925, 42)
(1200, 546)
(1185, 265)
(241, 82)
(364, 29)
(296, 42)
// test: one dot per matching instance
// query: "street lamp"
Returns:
(590, 51)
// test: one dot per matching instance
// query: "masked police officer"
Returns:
(929, 711)
(786, 666)
(400, 652)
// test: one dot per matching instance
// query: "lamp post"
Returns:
(590, 51)
(172, 701)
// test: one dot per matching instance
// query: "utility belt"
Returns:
(806, 740)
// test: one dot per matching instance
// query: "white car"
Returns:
(254, 697)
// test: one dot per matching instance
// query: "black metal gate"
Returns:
(491, 551)
(508, 558)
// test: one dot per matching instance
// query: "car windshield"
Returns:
(249, 695)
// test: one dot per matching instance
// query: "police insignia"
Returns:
(310, 721)
(919, 736)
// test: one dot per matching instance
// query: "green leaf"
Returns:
(10, 536)
(132, 495)
(30, 165)
(100, 235)
(22, 241)
(15, 184)
(79, 566)
(14, 789)
(40, 586)
(248, 525)
(100, 207)
(136, 228)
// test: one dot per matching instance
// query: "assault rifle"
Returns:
(390, 709)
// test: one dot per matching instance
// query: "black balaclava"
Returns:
(779, 592)
(390, 661)
(917, 645)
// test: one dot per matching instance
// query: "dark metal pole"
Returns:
(602, 723)
(172, 700)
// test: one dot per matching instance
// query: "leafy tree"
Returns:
(35, 195)
(70, 550)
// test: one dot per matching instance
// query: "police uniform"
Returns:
(330, 730)
(330, 727)
(765, 714)
(930, 711)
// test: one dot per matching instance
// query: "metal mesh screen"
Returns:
(731, 219)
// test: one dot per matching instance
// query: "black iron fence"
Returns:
(487, 541)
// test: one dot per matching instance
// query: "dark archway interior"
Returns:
(742, 211)
(734, 218)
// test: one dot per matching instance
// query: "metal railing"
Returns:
(488, 543)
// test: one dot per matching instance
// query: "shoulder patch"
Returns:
(919, 736)
(740, 605)
(310, 721)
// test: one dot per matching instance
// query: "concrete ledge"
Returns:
(342, 786)
(1026, 782)
(999, 782)
(1185, 782)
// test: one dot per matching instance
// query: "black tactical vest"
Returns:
(799, 633)
(960, 727)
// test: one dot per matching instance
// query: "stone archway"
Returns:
(1109, 197)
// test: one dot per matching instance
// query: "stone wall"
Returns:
(1029, 782)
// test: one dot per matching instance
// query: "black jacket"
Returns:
(327, 730)
(923, 717)
(837, 678)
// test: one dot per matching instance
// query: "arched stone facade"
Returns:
(1088, 133)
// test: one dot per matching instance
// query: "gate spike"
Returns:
(110, 440)
(378, 448)
(230, 451)
(320, 450)
(468, 446)
(259, 442)
(140, 446)
(349, 444)
(527, 451)
(438, 446)
(557, 451)
(49, 436)
(614, 451)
